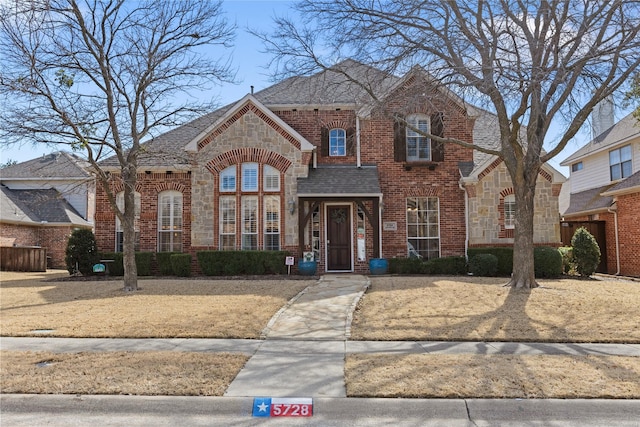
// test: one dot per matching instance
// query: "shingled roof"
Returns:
(59, 165)
(340, 180)
(33, 207)
(589, 201)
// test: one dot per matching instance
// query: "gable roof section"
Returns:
(340, 180)
(620, 133)
(589, 201)
(59, 165)
(248, 104)
(38, 207)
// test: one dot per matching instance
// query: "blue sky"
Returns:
(250, 64)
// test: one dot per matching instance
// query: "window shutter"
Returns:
(350, 141)
(324, 141)
(399, 140)
(437, 129)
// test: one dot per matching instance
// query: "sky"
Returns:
(251, 70)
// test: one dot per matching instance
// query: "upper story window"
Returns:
(418, 145)
(620, 162)
(249, 177)
(337, 142)
(510, 211)
(409, 142)
(576, 167)
(228, 179)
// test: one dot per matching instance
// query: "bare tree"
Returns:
(530, 62)
(102, 75)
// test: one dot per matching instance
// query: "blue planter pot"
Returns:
(307, 268)
(378, 266)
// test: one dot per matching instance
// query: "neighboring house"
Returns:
(605, 194)
(309, 165)
(43, 201)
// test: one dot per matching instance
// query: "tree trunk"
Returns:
(129, 233)
(523, 273)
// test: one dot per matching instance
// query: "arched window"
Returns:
(337, 142)
(271, 178)
(418, 145)
(509, 211)
(119, 231)
(170, 221)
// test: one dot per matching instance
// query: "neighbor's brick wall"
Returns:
(629, 233)
(53, 239)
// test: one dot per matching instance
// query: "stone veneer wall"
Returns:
(486, 216)
(247, 136)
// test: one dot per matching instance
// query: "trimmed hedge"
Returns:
(485, 265)
(181, 264)
(407, 266)
(547, 262)
(504, 255)
(163, 259)
(450, 266)
(116, 268)
(81, 252)
(240, 263)
(586, 252)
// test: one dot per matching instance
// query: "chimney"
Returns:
(602, 116)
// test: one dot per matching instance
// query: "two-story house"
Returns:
(605, 192)
(43, 200)
(313, 164)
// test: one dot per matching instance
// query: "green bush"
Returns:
(407, 266)
(163, 259)
(567, 259)
(143, 263)
(181, 264)
(82, 252)
(547, 262)
(451, 265)
(240, 263)
(483, 265)
(586, 252)
(504, 255)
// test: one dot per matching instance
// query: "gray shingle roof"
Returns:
(629, 183)
(55, 165)
(589, 200)
(38, 206)
(340, 180)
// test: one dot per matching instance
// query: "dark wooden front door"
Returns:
(339, 238)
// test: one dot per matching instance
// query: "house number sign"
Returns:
(282, 407)
(390, 226)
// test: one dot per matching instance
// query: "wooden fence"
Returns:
(23, 258)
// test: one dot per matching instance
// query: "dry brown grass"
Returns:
(481, 309)
(140, 373)
(495, 376)
(162, 308)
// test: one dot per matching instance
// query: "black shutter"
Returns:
(350, 142)
(324, 141)
(437, 129)
(399, 140)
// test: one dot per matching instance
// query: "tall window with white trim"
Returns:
(423, 227)
(418, 145)
(509, 203)
(170, 221)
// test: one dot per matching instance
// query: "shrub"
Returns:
(483, 265)
(586, 252)
(407, 266)
(234, 263)
(143, 263)
(163, 260)
(547, 262)
(566, 252)
(504, 255)
(452, 265)
(82, 252)
(181, 264)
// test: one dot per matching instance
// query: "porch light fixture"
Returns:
(292, 206)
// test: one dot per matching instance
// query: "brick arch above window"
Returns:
(118, 186)
(423, 192)
(164, 186)
(506, 192)
(245, 155)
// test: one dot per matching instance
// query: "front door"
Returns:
(339, 238)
